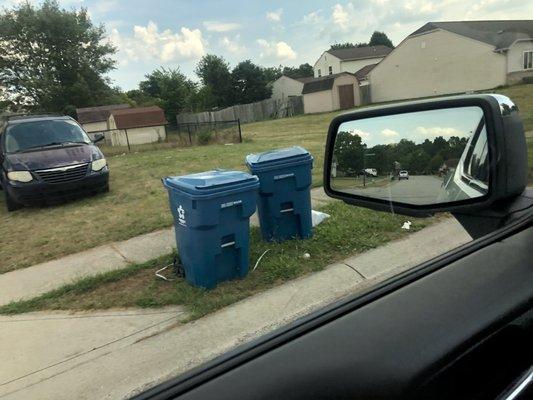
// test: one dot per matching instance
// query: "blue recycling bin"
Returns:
(284, 193)
(211, 217)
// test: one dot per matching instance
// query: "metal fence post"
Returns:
(127, 140)
(189, 130)
(240, 133)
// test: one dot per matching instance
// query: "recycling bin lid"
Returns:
(212, 182)
(278, 158)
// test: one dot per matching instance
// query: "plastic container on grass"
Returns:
(284, 193)
(211, 217)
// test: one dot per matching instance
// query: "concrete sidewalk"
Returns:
(33, 281)
(112, 355)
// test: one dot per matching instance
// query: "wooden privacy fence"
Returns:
(252, 112)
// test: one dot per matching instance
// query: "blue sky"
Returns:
(149, 34)
(417, 127)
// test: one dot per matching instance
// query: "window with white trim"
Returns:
(528, 59)
(319, 73)
(330, 70)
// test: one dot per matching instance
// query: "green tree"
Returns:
(349, 150)
(347, 45)
(214, 73)
(52, 59)
(171, 89)
(380, 38)
(140, 98)
(250, 83)
(272, 73)
(435, 163)
(302, 71)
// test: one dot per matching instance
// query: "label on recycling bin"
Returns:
(181, 216)
(231, 204)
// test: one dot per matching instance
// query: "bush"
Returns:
(204, 137)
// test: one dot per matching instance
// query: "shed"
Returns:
(94, 119)
(331, 92)
(285, 87)
(138, 125)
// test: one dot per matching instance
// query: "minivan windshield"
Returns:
(37, 134)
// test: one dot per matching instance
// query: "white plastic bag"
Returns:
(318, 217)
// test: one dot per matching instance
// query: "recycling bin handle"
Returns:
(284, 176)
(228, 244)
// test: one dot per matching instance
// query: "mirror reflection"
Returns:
(421, 158)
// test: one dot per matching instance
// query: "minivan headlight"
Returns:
(98, 165)
(20, 176)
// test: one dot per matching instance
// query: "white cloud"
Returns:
(436, 131)
(277, 51)
(341, 15)
(232, 46)
(314, 17)
(217, 26)
(274, 16)
(362, 134)
(104, 6)
(389, 133)
(148, 43)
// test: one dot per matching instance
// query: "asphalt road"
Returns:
(418, 189)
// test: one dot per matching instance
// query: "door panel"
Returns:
(346, 96)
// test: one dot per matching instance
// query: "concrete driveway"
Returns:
(418, 189)
(114, 354)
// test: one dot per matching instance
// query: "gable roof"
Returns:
(139, 117)
(361, 74)
(305, 79)
(322, 83)
(97, 114)
(358, 53)
(500, 34)
(301, 80)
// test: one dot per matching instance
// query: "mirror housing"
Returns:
(98, 137)
(505, 138)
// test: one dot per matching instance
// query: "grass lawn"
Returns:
(138, 204)
(350, 230)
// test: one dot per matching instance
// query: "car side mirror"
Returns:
(455, 154)
(98, 137)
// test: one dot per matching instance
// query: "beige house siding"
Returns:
(338, 65)
(95, 126)
(284, 87)
(515, 55)
(318, 102)
(345, 80)
(356, 65)
(436, 63)
(324, 62)
(150, 134)
(328, 100)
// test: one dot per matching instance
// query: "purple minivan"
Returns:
(46, 159)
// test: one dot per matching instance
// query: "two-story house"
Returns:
(348, 60)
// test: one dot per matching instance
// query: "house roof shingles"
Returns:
(358, 53)
(139, 117)
(322, 83)
(97, 114)
(501, 34)
(361, 74)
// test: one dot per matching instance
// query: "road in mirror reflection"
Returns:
(421, 158)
